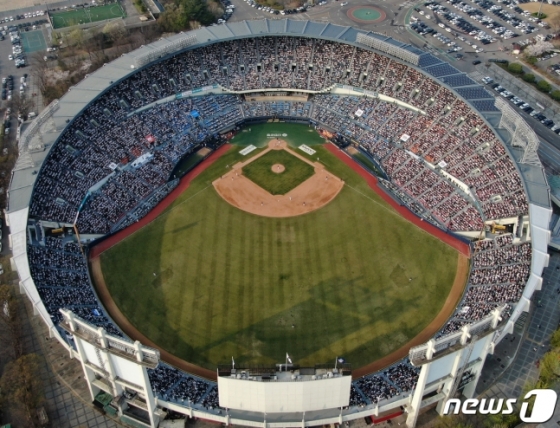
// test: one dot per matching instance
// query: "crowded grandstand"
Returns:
(115, 161)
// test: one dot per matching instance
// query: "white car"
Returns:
(11, 57)
(344, 3)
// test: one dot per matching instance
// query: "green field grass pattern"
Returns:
(87, 15)
(260, 172)
(207, 281)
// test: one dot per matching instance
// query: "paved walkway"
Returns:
(514, 365)
(68, 402)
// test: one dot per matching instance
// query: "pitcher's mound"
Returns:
(278, 168)
(312, 194)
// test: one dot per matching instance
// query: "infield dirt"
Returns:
(313, 194)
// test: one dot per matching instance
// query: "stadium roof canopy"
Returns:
(35, 144)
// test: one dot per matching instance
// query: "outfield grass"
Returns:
(352, 279)
(296, 134)
(86, 15)
(260, 172)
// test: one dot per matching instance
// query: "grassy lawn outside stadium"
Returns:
(207, 281)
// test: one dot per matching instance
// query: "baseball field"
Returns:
(207, 281)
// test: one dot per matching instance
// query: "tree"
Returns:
(115, 31)
(538, 48)
(10, 335)
(22, 387)
(185, 14)
(531, 60)
(39, 69)
(555, 95)
(515, 68)
(75, 37)
(528, 77)
(543, 86)
(550, 366)
(173, 19)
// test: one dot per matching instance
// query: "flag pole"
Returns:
(335, 361)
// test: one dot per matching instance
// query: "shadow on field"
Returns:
(319, 328)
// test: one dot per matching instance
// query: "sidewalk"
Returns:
(68, 402)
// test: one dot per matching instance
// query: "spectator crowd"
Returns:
(115, 160)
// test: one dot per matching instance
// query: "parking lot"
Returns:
(533, 111)
(20, 35)
(476, 26)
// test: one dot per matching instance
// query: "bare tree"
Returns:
(10, 336)
(22, 387)
(39, 69)
(117, 33)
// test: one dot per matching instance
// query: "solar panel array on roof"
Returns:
(427, 60)
(442, 70)
(476, 93)
(458, 80)
(484, 105)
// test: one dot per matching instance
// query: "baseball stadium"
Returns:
(273, 204)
